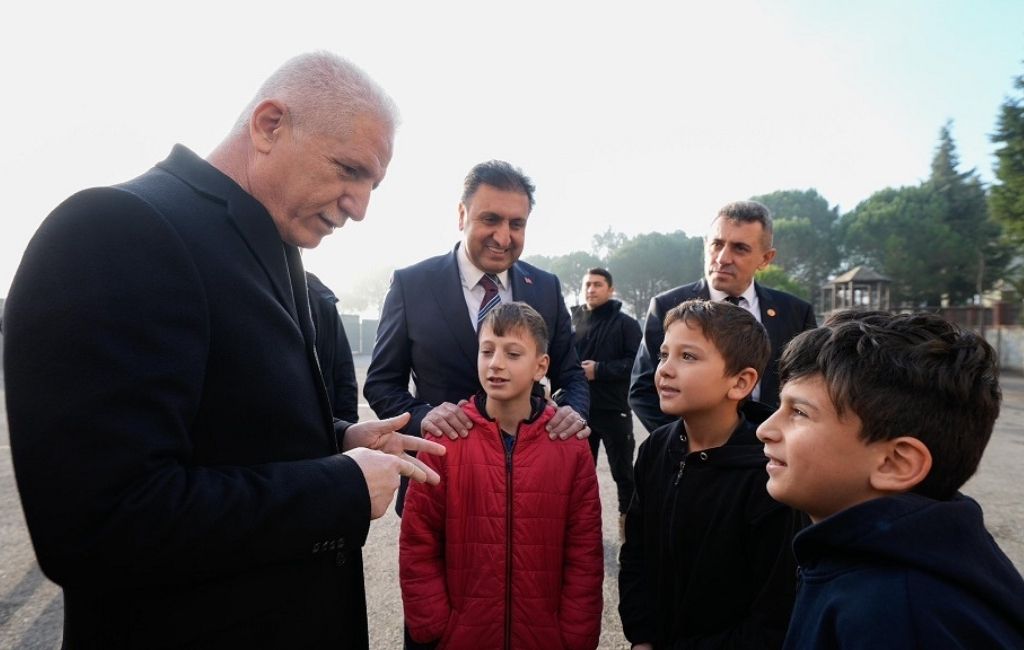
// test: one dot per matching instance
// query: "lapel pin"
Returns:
(771, 312)
(527, 280)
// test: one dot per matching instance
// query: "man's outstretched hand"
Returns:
(380, 452)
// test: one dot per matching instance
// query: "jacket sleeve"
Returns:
(630, 337)
(387, 379)
(643, 396)
(421, 556)
(565, 372)
(107, 343)
(346, 391)
(583, 572)
(770, 557)
(635, 602)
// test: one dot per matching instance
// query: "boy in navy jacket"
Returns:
(883, 419)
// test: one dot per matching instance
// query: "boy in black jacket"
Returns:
(707, 560)
(883, 419)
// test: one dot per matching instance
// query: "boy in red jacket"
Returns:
(506, 552)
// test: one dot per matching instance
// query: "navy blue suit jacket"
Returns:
(783, 316)
(425, 333)
(171, 436)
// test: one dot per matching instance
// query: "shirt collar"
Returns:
(471, 274)
(719, 296)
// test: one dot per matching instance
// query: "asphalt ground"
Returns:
(31, 607)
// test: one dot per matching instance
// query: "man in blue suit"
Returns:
(738, 245)
(428, 323)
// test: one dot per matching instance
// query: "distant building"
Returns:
(859, 288)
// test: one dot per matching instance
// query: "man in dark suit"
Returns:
(180, 472)
(738, 245)
(428, 323)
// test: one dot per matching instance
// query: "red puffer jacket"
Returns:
(505, 552)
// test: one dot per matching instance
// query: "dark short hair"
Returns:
(750, 212)
(735, 333)
(499, 175)
(508, 317)
(907, 375)
(597, 270)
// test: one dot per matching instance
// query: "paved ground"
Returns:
(31, 607)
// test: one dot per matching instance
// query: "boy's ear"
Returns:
(906, 463)
(743, 382)
(542, 367)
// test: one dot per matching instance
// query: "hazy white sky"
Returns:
(637, 116)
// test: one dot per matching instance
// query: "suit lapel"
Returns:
(522, 284)
(769, 315)
(248, 216)
(263, 240)
(452, 303)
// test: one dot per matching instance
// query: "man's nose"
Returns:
(354, 201)
(502, 234)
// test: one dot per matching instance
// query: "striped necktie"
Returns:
(491, 298)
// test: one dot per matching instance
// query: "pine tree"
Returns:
(963, 210)
(1006, 199)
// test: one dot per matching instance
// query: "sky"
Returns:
(639, 117)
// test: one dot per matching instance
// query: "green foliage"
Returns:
(1006, 199)
(650, 263)
(934, 240)
(980, 259)
(775, 277)
(806, 237)
(570, 269)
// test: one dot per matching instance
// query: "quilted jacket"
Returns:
(506, 552)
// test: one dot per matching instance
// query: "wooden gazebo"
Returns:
(859, 288)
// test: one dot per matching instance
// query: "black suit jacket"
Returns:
(171, 436)
(425, 333)
(783, 316)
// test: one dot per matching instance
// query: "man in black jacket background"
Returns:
(606, 342)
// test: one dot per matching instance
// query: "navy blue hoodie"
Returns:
(905, 572)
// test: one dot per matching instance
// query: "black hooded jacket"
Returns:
(707, 561)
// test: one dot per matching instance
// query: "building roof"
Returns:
(859, 274)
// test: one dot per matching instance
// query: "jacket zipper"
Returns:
(679, 474)
(508, 544)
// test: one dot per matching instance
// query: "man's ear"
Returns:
(905, 464)
(542, 367)
(462, 216)
(769, 255)
(265, 124)
(743, 383)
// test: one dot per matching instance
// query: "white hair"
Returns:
(323, 91)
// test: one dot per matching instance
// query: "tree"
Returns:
(570, 269)
(806, 237)
(1006, 199)
(607, 242)
(650, 263)
(775, 277)
(980, 258)
(900, 233)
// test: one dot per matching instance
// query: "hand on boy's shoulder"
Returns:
(446, 419)
(567, 423)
